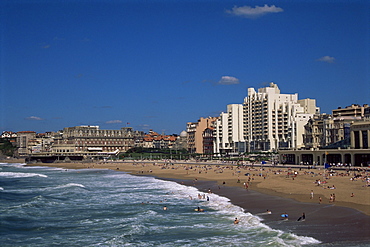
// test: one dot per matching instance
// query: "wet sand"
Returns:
(332, 225)
(344, 222)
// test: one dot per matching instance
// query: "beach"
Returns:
(343, 220)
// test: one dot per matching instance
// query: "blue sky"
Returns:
(160, 64)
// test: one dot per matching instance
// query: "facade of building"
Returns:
(324, 130)
(208, 141)
(85, 139)
(357, 153)
(360, 135)
(229, 131)
(274, 121)
(181, 141)
(155, 140)
(353, 110)
(23, 138)
(195, 134)
(9, 134)
(318, 132)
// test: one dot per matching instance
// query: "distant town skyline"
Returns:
(160, 64)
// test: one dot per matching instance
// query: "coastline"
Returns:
(327, 222)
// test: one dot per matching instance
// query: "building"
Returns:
(318, 131)
(181, 141)
(195, 134)
(360, 135)
(208, 141)
(324, 130)
(23, 138)
(229, 131)
(274, 121)
(155, 140)
(356, 152)
(353, 110)
(91, 139)
(9, 134)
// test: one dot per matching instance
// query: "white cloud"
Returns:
(228, 80)
(34, 118)
(113, 122)
(250, 12)
(326, 59)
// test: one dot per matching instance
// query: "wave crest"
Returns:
(69, 185)
(21, 175)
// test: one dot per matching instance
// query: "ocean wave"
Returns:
(222, 207)
(17, 165)
(21, 175)
(69, 185)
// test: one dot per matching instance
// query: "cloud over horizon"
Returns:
(228, 80)
(326, 59)
(257, 11)
(113, 122)
(34, 118)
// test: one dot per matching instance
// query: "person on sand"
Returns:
(236, 221)
(311, 194)
(285, 216)
(303, 217)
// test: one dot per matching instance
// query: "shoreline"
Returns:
(326, 222)
(322, 221)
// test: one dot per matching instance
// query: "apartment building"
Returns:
(353, 110)
(229, 131)
(195, 133)
(208, 140)
(23, 138)
(274, 121)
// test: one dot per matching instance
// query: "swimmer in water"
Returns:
(236, 221)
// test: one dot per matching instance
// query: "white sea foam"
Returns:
(69, 185)
(225, 208)
(21, 175)
(17, 165)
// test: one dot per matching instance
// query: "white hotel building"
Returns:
(229, 130)
(267, 121)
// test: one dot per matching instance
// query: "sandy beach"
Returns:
(341, 216)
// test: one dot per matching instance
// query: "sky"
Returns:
(160, 64)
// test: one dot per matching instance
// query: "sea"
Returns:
(43, 206)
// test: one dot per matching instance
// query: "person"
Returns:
(311, 194)
(236, 221)
(164, 208)
(268, 211)
(285, 216)
(303, 217)
(199, 209)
